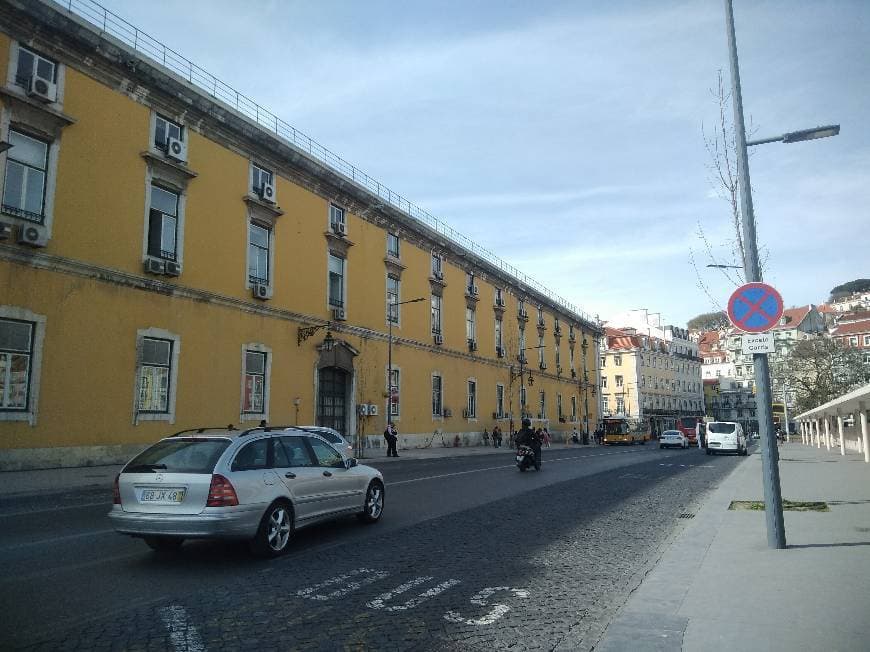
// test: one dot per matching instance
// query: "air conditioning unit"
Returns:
(439, 338)
(499, 352)
(543, 365)
(42, 89)
(267, 192)
(32, 236)
(176, 149)
(339, 314)
(373, 410)
(154, 266)
(339, 228)
(260, 291)
(173, 268)
(472, 345)
(5, 230)
(362, 409)
(447, 413)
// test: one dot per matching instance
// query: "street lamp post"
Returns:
(752, 273)
(393, 316)
(521, 358)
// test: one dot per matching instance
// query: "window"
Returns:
(469, 283)
(559, 406)
(336, 281)
(571, 356)
(155, 372)
(394, 393)
(542, 405)
(573, 408)
(498, 334)
(523, 400)
(437, 270)
(258, 253)
(472, 399)
(32, 65)
(620, 405)
(853, 340)
(254, 398)
(604, 405)
(16, 354)
(325, 454)
(558, 355)
(163, 129)
(436, 313)
(291, 451)
(540, 351)
(470, 326)
(521, 308)
(499, 400)
(867, 340)
(24, 187)
(336, 217)
(254, 456)
(604, 382)
(393, 245)
(617, 360)
(522, 353)
(259, 178)
(556, 327)
(867, 358)
(392, 299)
(499, 297)
(437, 405)
(163, 224)
(618, 380)
(603, 361)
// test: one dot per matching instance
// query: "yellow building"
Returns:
(173, 256)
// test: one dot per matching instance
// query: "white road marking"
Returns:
(379, 602)
(184, 636)
(350, 586)
(479, 599)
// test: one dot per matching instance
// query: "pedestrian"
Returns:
(392, 436)
(545, 435)
(575, 436)
(496, 437)
(485, 437)
(262, 423)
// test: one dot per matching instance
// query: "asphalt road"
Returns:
(469, 555)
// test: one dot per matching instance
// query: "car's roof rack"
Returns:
(265, 429)
(199, 431)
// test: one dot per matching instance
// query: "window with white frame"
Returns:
(499, 297)
(31, 64)
(617, 360)
(604, 382)
(16, 356)
(558, 355)
(867, 340)
(603, 361)
(499, 401)
(470, 325)
(573, 408)
(498, 334)
(164, 128)
(867, 358)
(163, 224)
(523, 398)
(260, 240)
(336, 281)
(393, 245)
(260, 178)
(620, 405)
(436, 314)
(604, 404)
(392, 299)
(254, 397)
(559, 406)
(437, 266)
(469, 283)
(571, 356)
(471, 406)
(437, 404)
(336, 217)
(542, 405)
(618, 381)
(156, 376)
(853, 340)
(522, 340)
(394, 392)
(540, 350)
(521, 307)
(25, 183)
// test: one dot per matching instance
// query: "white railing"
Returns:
(115, 26)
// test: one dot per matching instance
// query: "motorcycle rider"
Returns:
(530, 438)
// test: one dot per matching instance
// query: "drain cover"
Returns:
(687, 515)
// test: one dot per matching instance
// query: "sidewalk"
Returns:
(719, 586)
(57, 480)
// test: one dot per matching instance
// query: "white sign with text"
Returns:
(758, 343)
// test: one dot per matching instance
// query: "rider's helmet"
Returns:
(527, 423)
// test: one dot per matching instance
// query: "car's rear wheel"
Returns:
(163, 544)
(276, 528)
(374, 504)
(661, 445)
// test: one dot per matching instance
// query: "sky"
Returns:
(569, 137)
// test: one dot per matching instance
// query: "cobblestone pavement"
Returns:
(543, 571)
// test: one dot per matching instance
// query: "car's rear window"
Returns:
(718, 428)
(179, 456)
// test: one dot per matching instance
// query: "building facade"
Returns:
(172, 259)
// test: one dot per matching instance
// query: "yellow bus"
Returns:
(620, 430)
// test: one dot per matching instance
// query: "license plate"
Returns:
(519, 458)
(162, 495)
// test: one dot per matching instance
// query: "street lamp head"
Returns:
(811, 134)
(328, 341)
(725, 266)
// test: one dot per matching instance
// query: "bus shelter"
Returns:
(842, 422)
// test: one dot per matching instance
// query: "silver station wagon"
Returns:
(257, 485)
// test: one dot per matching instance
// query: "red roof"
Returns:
(852, 328)
(617, 339)
(708, 342)
(793, 317)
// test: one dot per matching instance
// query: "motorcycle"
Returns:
(526, 458)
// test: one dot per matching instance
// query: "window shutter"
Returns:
(155, 226)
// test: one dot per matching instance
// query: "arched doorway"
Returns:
(332, 399)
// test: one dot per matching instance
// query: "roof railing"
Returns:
(115, 26)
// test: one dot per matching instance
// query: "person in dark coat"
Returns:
(392, 436)
(532, 439)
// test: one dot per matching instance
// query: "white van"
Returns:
(726, 436)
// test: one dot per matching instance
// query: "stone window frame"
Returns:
(256, 347)
(38, 322)
(161, 334)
